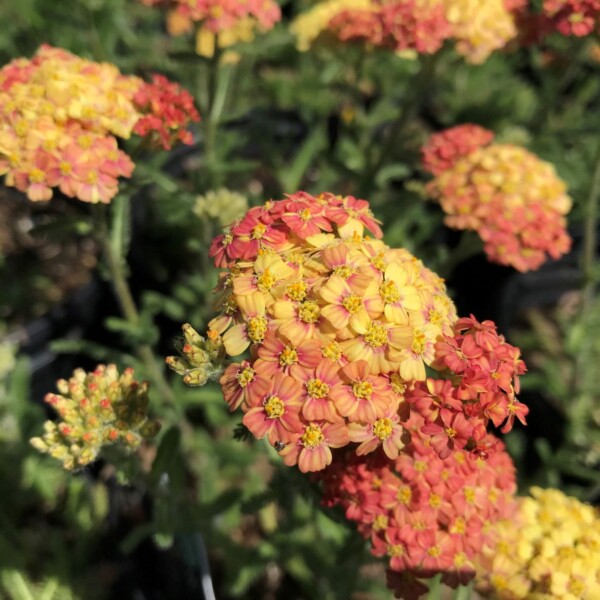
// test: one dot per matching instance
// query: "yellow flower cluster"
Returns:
(480, 28)
(97, 409)
(550, 550)
(308, 26)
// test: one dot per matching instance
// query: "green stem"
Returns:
(463, 592)
(410, 105)
(590, 240)
(116, 268)
(211, 118)
(435, 588)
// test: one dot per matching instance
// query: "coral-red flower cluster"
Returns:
(484, 374)
(425, 514)
(60, 116)
(514, 200)
(573, 17)
(167, 111)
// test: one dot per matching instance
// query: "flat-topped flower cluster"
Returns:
(514, 200)
(477, 28)
(217, 16)
(61, 115)
(424, 514)
(340, 330)
(96, 409)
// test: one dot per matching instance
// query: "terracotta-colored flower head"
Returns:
(424, 514)
(340, 330)
(61, 115)
(548, 548)
(97, 409)
(406, 25)
(513, 199)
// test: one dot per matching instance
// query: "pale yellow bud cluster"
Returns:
(97, 409)
(201, 358)
(223, 205)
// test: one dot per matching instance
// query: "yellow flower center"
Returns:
(419, 342)
(376, 335)
(435, 500)
(383, 428)
(265, 281)
(309, 312)
(434, 551)
(92, 177)
(379, 262)
(288, 356)
(363, 389)
(85, 141)
(257, 329)
(332, 351)
(469, 494)
(460, 559)
(305, 214)
(398, 384)
(297, 290)
(274, 407)
(420, 466)
(312, 436)
(450, 432)
(380, 522)
(389, 292)
(343, 271)
(258, 231)
(65, 168)
(404, 494)
(352, 303)
(245, 377)
(21, 127)
(435, 316)
(37, 175)
(460, 526)
(317, 388)
(227, 239)
(395, 550)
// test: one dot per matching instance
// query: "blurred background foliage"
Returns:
(319, 121)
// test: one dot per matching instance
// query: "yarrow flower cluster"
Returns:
(218, 16)
(515, 201)
(60, 116)
(478, 28)
(424, 514)
(573, 17)
(97, 409)
(549, 548)
(340, 329)
(399, 26)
